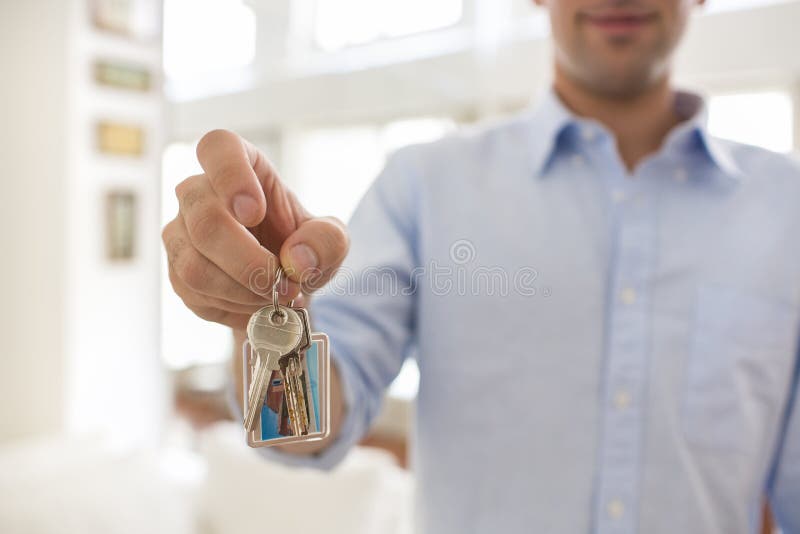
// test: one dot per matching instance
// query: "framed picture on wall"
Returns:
(120, 139)
(120, 225)
(120, 75)
(139, 19)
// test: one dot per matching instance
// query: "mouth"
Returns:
(618, 22)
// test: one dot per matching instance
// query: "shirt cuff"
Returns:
(351, 430)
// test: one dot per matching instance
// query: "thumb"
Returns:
(312, 253)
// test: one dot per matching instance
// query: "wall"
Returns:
(78, 335)
(32, 153)
(115, 384)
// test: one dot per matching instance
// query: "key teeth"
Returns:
(295, 394)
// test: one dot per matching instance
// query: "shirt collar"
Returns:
(693, 133)
(551, 119)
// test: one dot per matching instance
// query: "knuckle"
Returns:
(191, 199)
(183, 186)
(203, 225)
(189, 193)
(166, 233)
(174, 247)
(194, 272)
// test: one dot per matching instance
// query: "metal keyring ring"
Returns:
(278, 276)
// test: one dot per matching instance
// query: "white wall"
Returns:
(32, 154)
(79, 344)
(115, 381)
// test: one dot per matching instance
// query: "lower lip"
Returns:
(619, 25)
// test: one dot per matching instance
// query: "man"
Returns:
(604, 308)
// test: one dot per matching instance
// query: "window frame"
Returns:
(315, 46)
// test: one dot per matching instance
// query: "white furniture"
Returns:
(65, 486)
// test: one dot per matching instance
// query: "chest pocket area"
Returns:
(740, 366)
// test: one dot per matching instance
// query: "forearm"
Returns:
(337, 400)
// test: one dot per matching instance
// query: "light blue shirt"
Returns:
(600, 352)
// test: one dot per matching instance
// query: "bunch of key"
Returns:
(286, 396)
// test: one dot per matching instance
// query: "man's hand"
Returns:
(235, 221)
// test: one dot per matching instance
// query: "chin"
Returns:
(620, 83)
(622, 77)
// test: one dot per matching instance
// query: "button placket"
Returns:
(627, 354)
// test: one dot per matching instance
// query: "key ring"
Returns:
(278, 311)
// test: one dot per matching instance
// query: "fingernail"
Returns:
(245, 208)
(303, 258)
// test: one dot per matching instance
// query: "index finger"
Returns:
(238, 174)
(217, 236)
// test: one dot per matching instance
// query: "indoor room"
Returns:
(540, 254)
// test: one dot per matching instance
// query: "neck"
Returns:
(639, 122)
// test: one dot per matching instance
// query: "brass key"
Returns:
(292, 372)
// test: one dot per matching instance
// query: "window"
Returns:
(764, 119)
(737, 5)
(331, 168)
(406, 384)
(341, 23)
(204, 39)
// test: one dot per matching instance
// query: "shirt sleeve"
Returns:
(367, 310)
(784, 491)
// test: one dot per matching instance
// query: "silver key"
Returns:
(273, 333)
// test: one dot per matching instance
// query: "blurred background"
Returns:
(112, 415)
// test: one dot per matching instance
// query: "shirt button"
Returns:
(628, 295)
(622, 399)
(616, 509)
(681, 175)
(618, 196)
(588, 133)
(578, 159)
